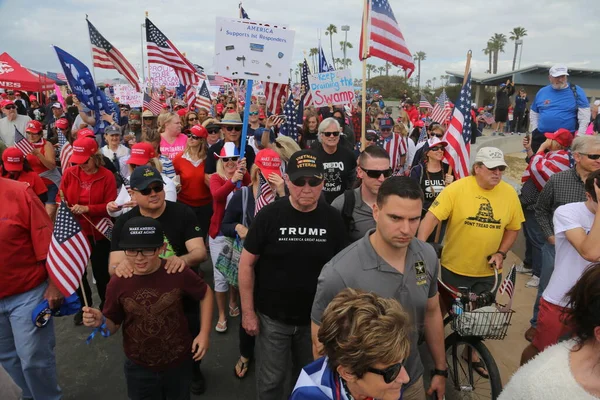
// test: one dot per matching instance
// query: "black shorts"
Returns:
(501, 114)
(478, 285)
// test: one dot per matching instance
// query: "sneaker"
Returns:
(198, 383)
(524, 269)
(533, 282)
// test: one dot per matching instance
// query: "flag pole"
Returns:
(148, 61)
(91, 54)
(249, 83)
(365, 42)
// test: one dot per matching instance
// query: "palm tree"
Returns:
(347, 45)
(419, 56)
(387, 68)
(331, 29)
(313, 53)
(434, 79)
(370, 68)
(428, 83)
(488, 52)
(498, 43)
(516, 34)
(381, 70)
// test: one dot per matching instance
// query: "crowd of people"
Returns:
(322, 245)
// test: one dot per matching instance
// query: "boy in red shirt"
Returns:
(157, 343)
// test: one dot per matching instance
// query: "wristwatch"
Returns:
(440, 372)
(503, 254)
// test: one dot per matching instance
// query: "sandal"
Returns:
(234, 311)
(221, 326)
(479, 368)
(243, 368)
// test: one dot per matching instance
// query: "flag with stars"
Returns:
(150, 103)
(162, 51)
(508, 285)
(265, 194)
(104, 55)
(422, 135)
(290, 126)
(69, 252)
(441, 110)
(22, 144)
(203, 100)
(105, 227)
(423, 103)
(458, 134)
(306, 92)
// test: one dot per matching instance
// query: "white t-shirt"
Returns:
(568, 263)
(7, 128)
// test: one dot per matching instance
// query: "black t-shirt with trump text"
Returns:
(293, 247)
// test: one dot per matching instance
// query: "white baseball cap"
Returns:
(559, 70)
(491, 157)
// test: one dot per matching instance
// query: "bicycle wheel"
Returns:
(463, 381)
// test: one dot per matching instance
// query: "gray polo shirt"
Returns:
(359, 267)
(362, 215)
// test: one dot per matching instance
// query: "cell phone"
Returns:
(528, 138)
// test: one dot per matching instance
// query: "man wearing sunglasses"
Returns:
(11, 121)
(393, 143)
(287, 245)
(392, 263)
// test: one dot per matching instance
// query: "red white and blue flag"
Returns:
(273, 93)
(22, 144)
(265, 194)
(442, 109)
(203, 100)
(423, 103)
(105, 227)
(152, 104)
(508, 285)
(458, 134)
(307, 93)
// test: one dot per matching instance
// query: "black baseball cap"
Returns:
(305, 163)
(141, 233)
(143, 176)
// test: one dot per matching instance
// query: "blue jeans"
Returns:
(548, 253)
(535, 242)
(27, 352)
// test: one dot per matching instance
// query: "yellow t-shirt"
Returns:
(477, 219)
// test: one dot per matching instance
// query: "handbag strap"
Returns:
(244, 205)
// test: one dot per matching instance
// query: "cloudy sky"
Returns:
(564, 31)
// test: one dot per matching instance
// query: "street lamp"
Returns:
(519, 42)
(345, 28)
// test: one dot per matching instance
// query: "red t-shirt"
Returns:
(25, 234)
(150, 308)
(35, 182)
(194, 191)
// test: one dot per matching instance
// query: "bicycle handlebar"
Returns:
(459, 294)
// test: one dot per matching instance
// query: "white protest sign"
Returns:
(250, 50)
(163, 75)
(126, 94)
(335, 87)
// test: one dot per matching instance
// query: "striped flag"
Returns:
(396, 147)
(105, 227)
(441, 110)
(385, 40)
(542, 166)
(508, 285)
(423, 103)
(203, 100)
(104, 55)
(273, 93)
(162, 51)
(152, 104)
(65, 155)
(307, 95)
(190, 96)
(290, 127)
(69, 252)
(265, 194)
(458, 134)
(22, 144)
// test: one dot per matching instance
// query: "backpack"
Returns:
(348, 209)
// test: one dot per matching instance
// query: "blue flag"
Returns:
(323, 65)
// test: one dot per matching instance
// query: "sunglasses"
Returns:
(157, 189)
(376, 173)
(10, 107)
(328, 134)
(312, 182)
(135, 252)
(229, 108)
(227, 159)
(192, 136)
(213, 131)
(231, 128)
(389, 374)
(371, 138)
(591, 156)
(437, 148)
(386, 129)
(500, 168)
(438, 135)
(192, 119)
(253, 113)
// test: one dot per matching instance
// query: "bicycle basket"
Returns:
(486, 322)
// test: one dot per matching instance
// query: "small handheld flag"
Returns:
(508, 285)
(22, 144)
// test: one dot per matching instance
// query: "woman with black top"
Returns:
(309, 131)
(432, 175)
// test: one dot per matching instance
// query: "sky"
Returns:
(559, 31)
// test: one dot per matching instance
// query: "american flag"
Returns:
(265, 194)
(396, 147)
(162, 51)
(69, 252)
(458, 135)
(203, 99)
(441, 110)
(22, 144)
(200, 72)
(65, 155)
(218, 80)
(104, 55)
(190, 96)
(542, 167)
(423, 135)
(385, 39)
(152, 104)
(290, 127)
(307, 95)
(273, 93)
(508, 285)
(424, 103)
(105, 227)
(243, 13)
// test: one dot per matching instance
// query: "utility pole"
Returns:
(345, 28)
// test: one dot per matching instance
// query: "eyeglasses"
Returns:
(10, 107)
(157, 189)
(328, 134)
(312, 182)
(437, 148)
(500, 168)
(253, 113)
(135, 252)
(389, 374)
(376, 173)
(591, 156)
(192, 119)
(231, 128)
(227, 159)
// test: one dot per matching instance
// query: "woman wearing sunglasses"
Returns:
(230, 171)
(88, 187)
(172, 141)
(190, 119)
(214, 131)
(189, 166)
(365, 340)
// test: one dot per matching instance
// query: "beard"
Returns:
(559, 86)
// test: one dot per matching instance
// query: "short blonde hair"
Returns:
(360, 329)
(285, 146)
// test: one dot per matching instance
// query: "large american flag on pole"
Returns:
(69, 252)
(385, 40)
(273, 93)
(22, 144)
(441, 110)
(307, 94)
(458, 134)
(162, 51)
(104, 55)
(265, 194)
(290, 126)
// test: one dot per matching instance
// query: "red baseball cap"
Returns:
(141, 153)
(6, 103)
(268, 161)
(419, 124)
(261, 114)
(199, 131)
(34, 127)
(63, 123)
(181, 112)
(12, 159)
(219, 108)
(563, 136)
(162, 97)
(83, 149)
(86, 133)
(165, 105)
(32, 98)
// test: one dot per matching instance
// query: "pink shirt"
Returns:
(171, 150)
